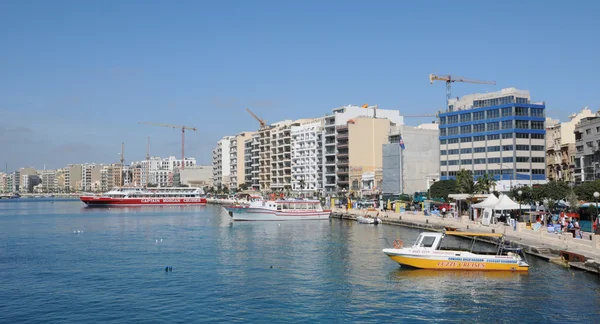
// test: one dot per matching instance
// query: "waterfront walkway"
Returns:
(540, 243)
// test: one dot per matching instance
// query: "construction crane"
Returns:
(419, 116)
(450, 79)
(262, 122)
(183, 128)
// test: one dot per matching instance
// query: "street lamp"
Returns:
(520, 193)
(596, 195)
(546, 207)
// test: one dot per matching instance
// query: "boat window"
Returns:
(302, 206)
(286, 206)
(278, 206)
(311, 206)
(427, 241)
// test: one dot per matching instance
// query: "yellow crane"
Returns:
(262, 122)
(450, 79)
(183, 128)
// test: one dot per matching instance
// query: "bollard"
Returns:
(427, 221)
(493, 231)
(399, 217)
(467, 226)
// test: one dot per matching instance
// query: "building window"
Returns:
(538, 125)
(443, 162)
(507, 124)
(522, 147)
(537, 112)
(493, 149)
(465, 139)
(494, 160)
(507, 159)
(522, 170)
(493, 126)
(522, 124)
(507, 135)
(453, 130)
(442, 142)
(538, 171)
(442, 120)
(479, 138)
(521, 111)
(453, 162)
(465, 129)
(479, 150)
(443, 152)
(493, 137)
(478, 128)
(507, 148)
(453, 119)
(523, 159)
(444, 174)
(465, 151)
(452, 152)
(465, 118)
(537, 159)
(537, 136)
(479, 161)
(453, 141)
(537, 148)
(522, 135)
(467, 161)
(480, 115)
(442, 132)
(494, 113)
(507, 112)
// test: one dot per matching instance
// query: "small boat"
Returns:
(430, 252)
(368, 220)
(279, 210)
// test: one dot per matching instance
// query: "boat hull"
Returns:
(260, 214)
(92, 201)
(472, 262)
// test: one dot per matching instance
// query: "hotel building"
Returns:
(307, 156)
(500, 133)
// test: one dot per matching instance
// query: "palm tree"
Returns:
(302, 185)
(465, 182)
(484, 183)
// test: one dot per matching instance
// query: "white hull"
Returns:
(368, 220)
(252, 214)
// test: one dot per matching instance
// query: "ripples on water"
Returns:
(113, 271)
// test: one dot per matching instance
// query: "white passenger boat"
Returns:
(428, 252)
(279, 210)
(125, 196)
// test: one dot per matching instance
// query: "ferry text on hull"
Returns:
(146, 197)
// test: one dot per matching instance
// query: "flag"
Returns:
(402, 143)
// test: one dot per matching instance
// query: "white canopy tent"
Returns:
(490, 201)
(505, 203)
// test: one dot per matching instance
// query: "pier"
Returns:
(583, 254)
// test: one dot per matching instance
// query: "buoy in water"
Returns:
(166, 269)
(171, 269)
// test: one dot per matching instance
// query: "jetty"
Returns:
(563, 249)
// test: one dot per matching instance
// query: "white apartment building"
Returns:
(48, 180)
(499, 133)
(255, 161)
(237, 167)
(336, 134)
(4, 182)
(222, 162)
(307, 157)
(158, 171)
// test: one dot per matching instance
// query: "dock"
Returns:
(562, 249)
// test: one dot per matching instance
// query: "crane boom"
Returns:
(183, 128)
(260, 121)
(449, 80)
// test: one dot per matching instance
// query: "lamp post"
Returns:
(545, 207)
(596, 195)
(520, 193)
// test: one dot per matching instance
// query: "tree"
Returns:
(586, 190)
(442, 188)
(243, 186)
(485, 183)
(573, 201)
(225, 190)
(302, 185)
(464, 182)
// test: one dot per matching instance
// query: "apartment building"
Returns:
(560, 146)
(408, 170)
(221, 162)
(28, 182)
(13, 181)
(281, 156)
(307, 156)
(237, 168)
(255, 161)
(4, 183)
(23, 172)
(73, 176)
(48, 178)
(194, 176)
(587, 150)
(499, 133)
(336, 172)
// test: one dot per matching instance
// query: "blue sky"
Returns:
(77, 76)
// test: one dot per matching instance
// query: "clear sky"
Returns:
(76, 77)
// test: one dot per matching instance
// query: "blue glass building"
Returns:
(500, 133)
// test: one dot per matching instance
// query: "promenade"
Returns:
(539, 243)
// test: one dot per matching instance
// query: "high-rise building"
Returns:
(237, 167)
(307, 156)
(255, 162)
(4, 182)
(73, 176)
(560, 146)
(587, 146)
(48, 178)
(499, 133)
(222, 162)
(408, 170)
(336, 172)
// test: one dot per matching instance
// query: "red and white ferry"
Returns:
(125, 196)
(279, 210)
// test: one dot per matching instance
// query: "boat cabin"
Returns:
(289, 205)
(429, 241)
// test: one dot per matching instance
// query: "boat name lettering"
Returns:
(150, 200)
(171, 200)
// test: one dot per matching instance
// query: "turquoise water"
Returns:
(113, 271)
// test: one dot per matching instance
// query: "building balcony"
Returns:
(343, 182)
(342, 136)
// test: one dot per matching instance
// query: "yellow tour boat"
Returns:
(428, 252)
